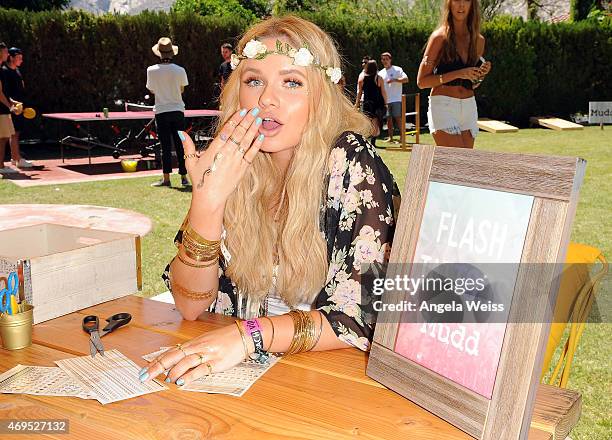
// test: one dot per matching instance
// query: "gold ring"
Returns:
(180, 347)
(163, 366)
(202, 357)
(231, 139)
(187, 156)
(209, 368)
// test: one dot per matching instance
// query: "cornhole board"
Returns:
(554, 123)
(493, 126)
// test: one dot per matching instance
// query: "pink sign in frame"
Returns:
(502, 408)
(463, 224)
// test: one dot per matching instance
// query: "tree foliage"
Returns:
(246, 9)
(34, 5)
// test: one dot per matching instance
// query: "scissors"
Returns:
(12, 288)
(91, 325)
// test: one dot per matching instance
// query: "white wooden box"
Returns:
(62, 269)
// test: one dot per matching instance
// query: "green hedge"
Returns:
(79, 62)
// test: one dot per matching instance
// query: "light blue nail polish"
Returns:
(258, 121)
(255, 111)
(260, 138)
(141, 372)
(180, 382)
(144, 377)
(243, 112)
(167, 380)
(182, 135)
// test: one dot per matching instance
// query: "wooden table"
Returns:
(321, 395)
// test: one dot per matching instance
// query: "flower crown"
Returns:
(257, 50)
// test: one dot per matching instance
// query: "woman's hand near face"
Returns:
(216, 172)
(212, 352)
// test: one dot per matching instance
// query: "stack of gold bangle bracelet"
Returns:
(305, 335)
(197, 248)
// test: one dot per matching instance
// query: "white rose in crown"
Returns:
(334, 74)
(254, 48)
(261, 48)
(303, 58)
(234, 61)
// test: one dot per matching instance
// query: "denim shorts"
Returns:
(452, 115)
(394, 109)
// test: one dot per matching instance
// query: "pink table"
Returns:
(123, 116)
(83, 216)
(87, 141)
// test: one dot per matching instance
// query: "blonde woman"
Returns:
(288, 202)
(452, 67)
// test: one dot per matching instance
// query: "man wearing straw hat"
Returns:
(167, 81)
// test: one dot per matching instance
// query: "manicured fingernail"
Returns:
(144, 377)
(167, 380)
(258, 121)
(142, 371)
(182, 135)
(243, 112)
(255, 111)
(260, 138)
(180, 382)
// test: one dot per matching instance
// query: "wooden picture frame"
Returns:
(554, 183)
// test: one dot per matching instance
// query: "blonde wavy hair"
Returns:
(252, 232)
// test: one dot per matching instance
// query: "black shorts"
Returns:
(371, 110)
(18, 122)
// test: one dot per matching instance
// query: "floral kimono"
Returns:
(358, 222)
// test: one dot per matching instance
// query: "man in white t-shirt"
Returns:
(394, 77)
(167, 81)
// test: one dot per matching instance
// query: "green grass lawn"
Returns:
(592, 369)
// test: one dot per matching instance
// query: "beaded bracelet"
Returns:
(191, 294)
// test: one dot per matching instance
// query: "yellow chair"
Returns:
(576, 294)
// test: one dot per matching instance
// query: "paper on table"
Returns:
(151, 356)
(233, 382)
(111, 378)
(42, 381)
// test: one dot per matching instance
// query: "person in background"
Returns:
(371, 90)
(167, 81)
(15, 90)
(393, 77)
(364, 64)
(225, 69)
(452, 67)
(6, 108)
